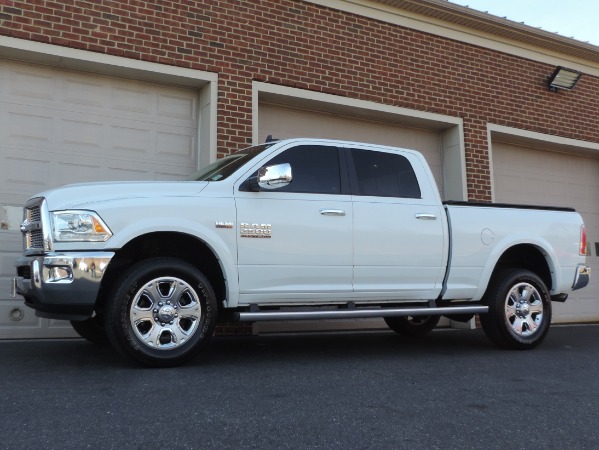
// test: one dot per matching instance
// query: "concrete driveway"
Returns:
(449, 390)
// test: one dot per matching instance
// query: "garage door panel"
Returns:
(171, 106)
(129, 99)
(175, 144)
(130, 140)
(585, 310)
(62, 91)
(26, 82)
(22, 176)
(80, 170)
(26, 129)
(80, 136)
(59, 127)
(535, 176)
(83, 92)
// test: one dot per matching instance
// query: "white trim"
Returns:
(455, 186)
(99, 63)
(452, 128)
(573, 144)
(207, 128)
(299, 97)
(439, 27)
(87, 61)
(533, 139)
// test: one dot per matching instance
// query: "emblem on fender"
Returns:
(256, 230)
(224, 224)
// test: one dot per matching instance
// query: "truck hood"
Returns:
(85, 195)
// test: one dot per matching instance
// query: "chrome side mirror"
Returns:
(272, 177)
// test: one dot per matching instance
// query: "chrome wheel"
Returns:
(161, 312)
(165, 313)
(519, 309)
(524, 310)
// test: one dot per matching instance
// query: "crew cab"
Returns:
(292, 229)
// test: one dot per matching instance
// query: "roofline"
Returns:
(443, 18)
(488, 22)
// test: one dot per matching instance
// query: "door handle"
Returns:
(423, 216)
(332, 212)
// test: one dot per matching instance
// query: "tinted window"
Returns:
(315, 169)
(384, 175)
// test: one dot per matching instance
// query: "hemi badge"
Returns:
(224, 224)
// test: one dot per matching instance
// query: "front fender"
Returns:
(191, 216)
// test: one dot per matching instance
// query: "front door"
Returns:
(295, 243)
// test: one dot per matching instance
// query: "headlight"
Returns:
(78, 226)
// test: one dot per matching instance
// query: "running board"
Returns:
(358, 313)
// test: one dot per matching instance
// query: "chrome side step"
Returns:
(358, 313)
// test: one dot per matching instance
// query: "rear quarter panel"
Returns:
(481, 235)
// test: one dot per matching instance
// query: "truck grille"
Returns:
(33, 227)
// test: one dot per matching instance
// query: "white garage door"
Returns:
(536, 176)
(59, 127)
(283, 122)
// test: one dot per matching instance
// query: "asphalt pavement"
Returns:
(368, 390)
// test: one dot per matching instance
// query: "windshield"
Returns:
(222, 168)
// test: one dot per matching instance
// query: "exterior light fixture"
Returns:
(563, 78)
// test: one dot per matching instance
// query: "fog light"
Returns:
(58, 274)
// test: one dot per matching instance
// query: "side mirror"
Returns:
(271, 177)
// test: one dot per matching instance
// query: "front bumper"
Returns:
(61, 285)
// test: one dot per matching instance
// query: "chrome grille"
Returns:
(36, 240)
(33, 227)
(35, 214)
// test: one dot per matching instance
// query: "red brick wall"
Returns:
(310, 47)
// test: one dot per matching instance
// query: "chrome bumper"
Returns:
(582, 277)
(61, 285)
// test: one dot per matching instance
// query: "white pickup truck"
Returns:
(293, 229)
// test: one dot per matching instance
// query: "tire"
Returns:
(161, 313)
(91, 329)
(519, 310)
(412, 325)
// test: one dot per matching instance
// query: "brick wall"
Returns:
(310, 47)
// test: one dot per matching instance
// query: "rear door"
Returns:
(400, 237)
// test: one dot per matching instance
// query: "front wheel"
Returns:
(161, 312)
(412, 325)
(519, 310)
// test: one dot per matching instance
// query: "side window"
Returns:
(384, 175)
(315, 169)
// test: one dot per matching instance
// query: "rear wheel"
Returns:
(412, 325)
(519, 310)
(161, 313)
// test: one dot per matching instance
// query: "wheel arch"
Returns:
(166, 244)
(530, 257)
